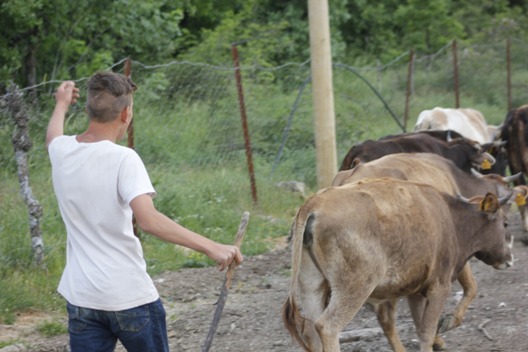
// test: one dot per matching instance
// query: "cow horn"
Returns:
(504, 199)
(476, 173)
(472, 200)
(490, 158)
(512, 178)
(479, 199)
(448, 136)
(499, 143)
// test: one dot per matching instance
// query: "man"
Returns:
(99, 186)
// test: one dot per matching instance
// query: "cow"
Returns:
(428, 168)
(381, 239)
(441, 173)
(515, 133)
(469, 123)
(464, 153)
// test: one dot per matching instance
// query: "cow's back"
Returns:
(426, 168)
(407, 143)
(468, 122)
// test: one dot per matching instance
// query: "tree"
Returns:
(60, 39)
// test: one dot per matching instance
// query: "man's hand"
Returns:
(67, 93)
(225, 254)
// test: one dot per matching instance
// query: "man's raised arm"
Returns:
(66, 94)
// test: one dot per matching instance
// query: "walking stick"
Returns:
(227, 284)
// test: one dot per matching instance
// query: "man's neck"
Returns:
(97, 132)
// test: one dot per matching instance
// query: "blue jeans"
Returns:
(139, 329)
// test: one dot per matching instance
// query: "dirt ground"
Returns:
(497, 320)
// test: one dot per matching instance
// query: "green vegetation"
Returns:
(51, 328)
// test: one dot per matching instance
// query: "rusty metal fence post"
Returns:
(245, 129)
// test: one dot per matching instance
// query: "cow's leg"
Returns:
(426, 313)
(386, 313)
(469, 286)
(343, 306)
(350, 286)
(313, 293)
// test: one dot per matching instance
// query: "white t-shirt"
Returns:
(94, 184)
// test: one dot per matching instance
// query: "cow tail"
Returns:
(290, 313)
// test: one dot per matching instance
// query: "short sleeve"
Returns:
(56, 147)
(133, 179)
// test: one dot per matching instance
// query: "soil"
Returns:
(497, 320)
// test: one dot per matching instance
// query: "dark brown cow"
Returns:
(379, 240)
(441, 173)
(515, 133)
(469, 123)
(464, 153)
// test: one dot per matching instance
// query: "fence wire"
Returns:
(197, 103)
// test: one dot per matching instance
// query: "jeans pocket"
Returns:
(134, 319)
(75, 324)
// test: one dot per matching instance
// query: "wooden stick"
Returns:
(227, 284)
(484, 331)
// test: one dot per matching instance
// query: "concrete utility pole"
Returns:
(322, 88)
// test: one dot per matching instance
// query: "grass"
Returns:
(7, 343)
(51, 328)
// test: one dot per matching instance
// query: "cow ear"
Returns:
(490, 203)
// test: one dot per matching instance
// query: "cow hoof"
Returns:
(446, 323)
(439, 344)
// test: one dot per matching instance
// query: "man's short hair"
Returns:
(108, 94)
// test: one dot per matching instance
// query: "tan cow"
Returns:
(379, 240)
(445, 176)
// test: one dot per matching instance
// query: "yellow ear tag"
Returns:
(520, 200)
(486, 165)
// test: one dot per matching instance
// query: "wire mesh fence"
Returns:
(196, 105)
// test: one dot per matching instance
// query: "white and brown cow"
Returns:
(445, 176)
(379, 240)
(469, 123)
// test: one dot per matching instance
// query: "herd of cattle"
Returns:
(404, 215)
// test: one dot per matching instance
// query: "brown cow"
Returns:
(379, 240)
(515, 133)
(464, 153)
(441, 173)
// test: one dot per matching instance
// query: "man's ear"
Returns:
(124, 114)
